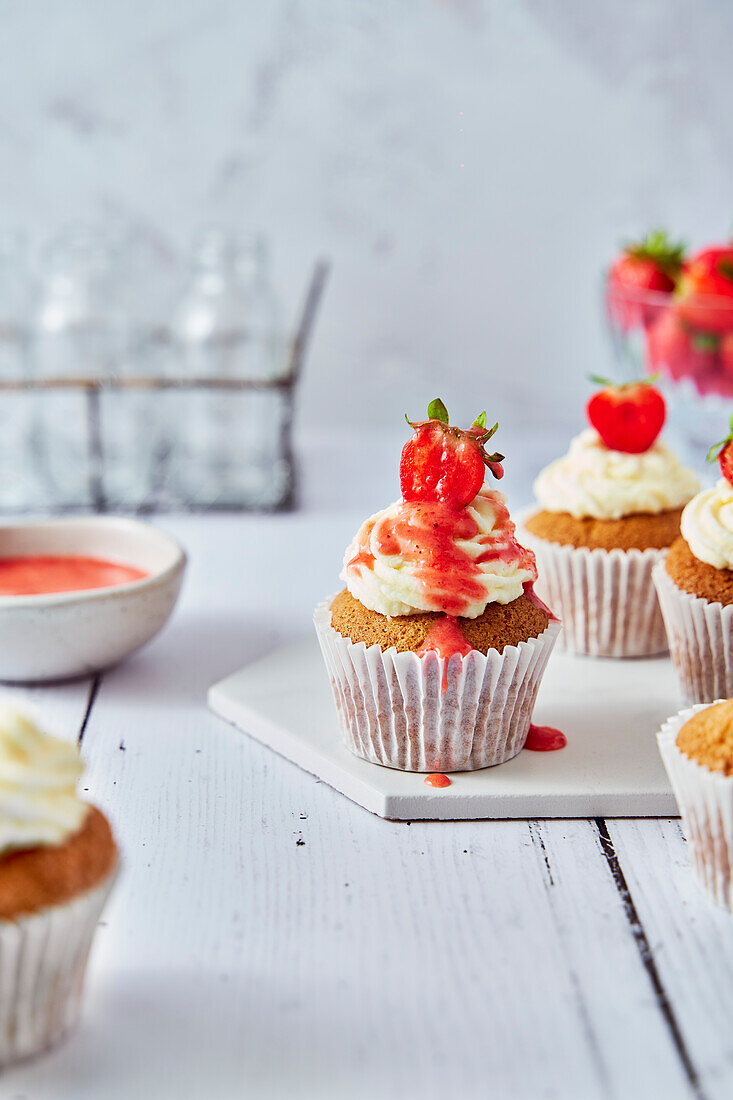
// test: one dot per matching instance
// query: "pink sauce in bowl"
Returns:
(43, 574)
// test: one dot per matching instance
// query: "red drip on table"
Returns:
(43, 574)
(437, 779)
(545, 739)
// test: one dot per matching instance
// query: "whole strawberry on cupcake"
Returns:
(608, 512)
(436, 646)
(695, 587)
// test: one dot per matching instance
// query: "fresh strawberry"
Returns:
(704, 296)
(446, 464)
(653, 264)
(723, 451)
(672, 347)
(627, 417)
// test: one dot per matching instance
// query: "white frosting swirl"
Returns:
(707, 525)
(38, 777)
(592, 480)
(385, 565)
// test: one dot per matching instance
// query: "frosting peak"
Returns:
(38, 777)
(594, 481)
(415, 556)
(707, 525)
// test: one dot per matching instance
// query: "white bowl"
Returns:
(65, 634)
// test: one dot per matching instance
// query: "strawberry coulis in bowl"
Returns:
(43, 574)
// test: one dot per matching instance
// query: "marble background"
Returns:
(468, 166)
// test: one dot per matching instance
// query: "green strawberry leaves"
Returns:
(438, 411)
(656, 246)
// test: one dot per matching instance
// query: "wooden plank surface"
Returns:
(268, 938)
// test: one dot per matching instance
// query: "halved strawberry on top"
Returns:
(445, 464)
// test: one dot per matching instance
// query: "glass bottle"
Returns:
(226, 326)
(76, 331)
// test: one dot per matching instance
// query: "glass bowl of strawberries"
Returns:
(671, 315)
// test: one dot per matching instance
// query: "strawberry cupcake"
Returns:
(695, 588)
(57, 864)
(436, 646)
(696, 746)
(608, 512)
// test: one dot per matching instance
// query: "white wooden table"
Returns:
(268, 938)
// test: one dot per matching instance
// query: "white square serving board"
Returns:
(609, 709)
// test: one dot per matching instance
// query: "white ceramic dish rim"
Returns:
(87, 595)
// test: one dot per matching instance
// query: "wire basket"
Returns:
(143, 443)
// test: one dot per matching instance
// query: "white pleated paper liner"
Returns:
(605, 598)
(700, 636)
(705, 800)
(392, 708)
(43, 958)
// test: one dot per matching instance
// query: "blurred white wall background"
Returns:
(469, 165)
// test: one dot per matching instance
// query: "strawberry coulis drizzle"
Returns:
(545, 739)
(446, 639)
(534, 598)
(427, 535)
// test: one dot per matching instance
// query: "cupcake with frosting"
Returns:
(57, 864)
(436, 646)
(695, 587)
(697, 750)
(608, 511)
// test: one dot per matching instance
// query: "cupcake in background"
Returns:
(57, 863)
(436, 647)
(697, 750)
(608, 511)
(695, 587)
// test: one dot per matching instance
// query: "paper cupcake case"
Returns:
(43, 958)
(393, 709)
(605, 598)
(700, 637)
(705, 800)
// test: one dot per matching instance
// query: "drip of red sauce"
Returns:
(437, 779)
(545, 739)
(534, 598)
(446, 639)
(42, 574)
(426, 536)
(363, 556)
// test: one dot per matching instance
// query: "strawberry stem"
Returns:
(716, 448)
(609, 384)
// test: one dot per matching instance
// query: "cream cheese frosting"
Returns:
(38, 778)
(707, 525)
(595, 482)
(414, 557)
